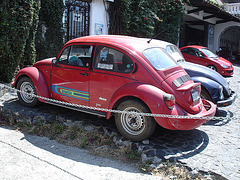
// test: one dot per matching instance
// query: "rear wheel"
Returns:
(134, 127)
(27, 88)
(205, 95)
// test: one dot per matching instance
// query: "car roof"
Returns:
(193, 46)
(129, 42)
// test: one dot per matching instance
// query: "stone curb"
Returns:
(4, 90)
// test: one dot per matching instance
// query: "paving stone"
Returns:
(150, 153)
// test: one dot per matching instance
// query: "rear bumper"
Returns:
(188, 123)
(228, 101)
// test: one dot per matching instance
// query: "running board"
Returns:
(89, 111)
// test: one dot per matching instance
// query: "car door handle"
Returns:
(84, 74)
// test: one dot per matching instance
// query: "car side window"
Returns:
(80, 55)
(112, 60)
(189, 51)
(200, 54)
(193, 52)
(76, 55)
(64, 56)
(185, 50)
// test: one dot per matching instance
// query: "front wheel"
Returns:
(212, 67)
(26, 89)
(133, 126)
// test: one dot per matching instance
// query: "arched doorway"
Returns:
(229, 42)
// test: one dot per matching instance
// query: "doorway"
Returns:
(76, 19)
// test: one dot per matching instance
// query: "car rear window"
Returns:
(159, 58)
(175, 53)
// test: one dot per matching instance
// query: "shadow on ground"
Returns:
(222, 118)
(164, 144)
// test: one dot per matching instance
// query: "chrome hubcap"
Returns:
(26, 92)
(212, 67)
(132, 123)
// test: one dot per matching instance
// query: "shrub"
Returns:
(16, 19)
(146, 18)
(19, 20)
(49, 40)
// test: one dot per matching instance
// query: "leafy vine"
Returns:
(147, 18)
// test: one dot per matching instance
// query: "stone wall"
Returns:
(3, 89)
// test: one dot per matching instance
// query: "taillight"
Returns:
(169, 100)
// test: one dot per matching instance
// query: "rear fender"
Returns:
(150, 95)
(211, 86)
(38, 80)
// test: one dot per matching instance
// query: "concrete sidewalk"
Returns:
(24, 156)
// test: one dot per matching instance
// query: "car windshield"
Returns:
(175, 53)
(209, 53)
(159, 58)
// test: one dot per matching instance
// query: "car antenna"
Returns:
(157, 35)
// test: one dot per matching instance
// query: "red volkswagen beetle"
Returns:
(122, 73)
(203, 56)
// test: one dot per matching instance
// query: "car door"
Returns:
(70, 76)
(193, 55)
(111, 70)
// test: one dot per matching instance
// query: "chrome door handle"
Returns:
(84, 74)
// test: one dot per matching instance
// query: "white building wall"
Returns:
(98, 17)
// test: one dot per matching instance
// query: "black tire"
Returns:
(205, 95)
(212, 67)
(25, 84)
(131, 126)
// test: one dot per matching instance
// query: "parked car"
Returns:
(229, 55)
(224, 52)
(214, 86)
(121, 73)
(203, 56)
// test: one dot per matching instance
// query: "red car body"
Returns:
(201, 55)
(100, 81)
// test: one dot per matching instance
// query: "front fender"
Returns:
(150, 95)
(213, 87)
(38, 80)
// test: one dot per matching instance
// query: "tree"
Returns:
(19, 20)
(16, 20)
(49, 40)
(146, 18)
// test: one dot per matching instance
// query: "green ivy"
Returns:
(147, 18)
(29, 56)
(19, 22)
(50, 33)
(16, 19)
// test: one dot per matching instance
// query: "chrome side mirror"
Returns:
(54, 62)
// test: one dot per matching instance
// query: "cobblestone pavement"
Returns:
(213, 147)
(222, 152)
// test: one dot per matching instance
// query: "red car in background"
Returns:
(121, 73)
(203, 56)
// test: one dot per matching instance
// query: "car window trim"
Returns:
(76, 44)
